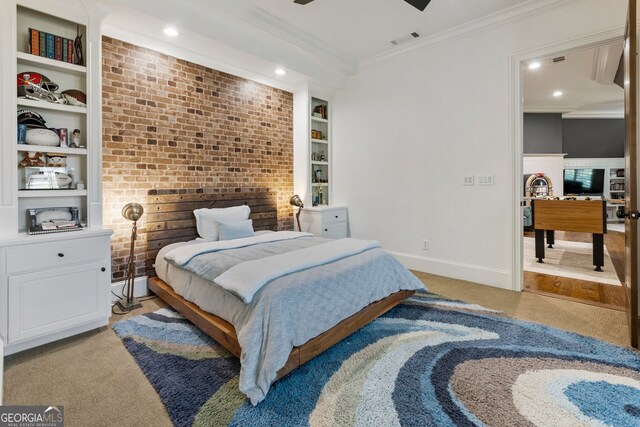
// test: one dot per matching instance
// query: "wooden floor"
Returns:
(584, 291)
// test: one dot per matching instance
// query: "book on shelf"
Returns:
(43, 43)
(51, 46)
(34, 42)
(70, 51)
(65, 48)
(57, 52)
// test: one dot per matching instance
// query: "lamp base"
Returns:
(128, 306)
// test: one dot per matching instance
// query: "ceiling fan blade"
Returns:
(302, 1)
(419, 4)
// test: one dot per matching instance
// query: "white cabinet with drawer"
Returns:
(325, 221)
(54, 286)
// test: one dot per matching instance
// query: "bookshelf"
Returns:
(72, 269)
(320, 152)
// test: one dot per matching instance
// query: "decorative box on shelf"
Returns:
(48, 178)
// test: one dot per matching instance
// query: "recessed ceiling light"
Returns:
(171, 32)
(557, 93)
(280, 71)
(534, 65)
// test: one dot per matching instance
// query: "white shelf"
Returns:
(319, 141)
(314, 162)
(616, 178)
(50, 64)
(616, 191)
(318, 119)
(50, 193)
(320, 184)
(23, 102)
(44, 149)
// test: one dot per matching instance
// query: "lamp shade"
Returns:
(296, 201)
(132, 211)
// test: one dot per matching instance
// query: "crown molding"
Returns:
(510, 15)
(594, 115)
(560, 109)
(545, 154)
(572, 112)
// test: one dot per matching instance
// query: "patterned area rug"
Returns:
(428, 362)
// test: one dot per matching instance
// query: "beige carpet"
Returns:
(98, 382)
(569, 259)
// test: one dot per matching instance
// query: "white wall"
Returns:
(408, 129)
(550, 165)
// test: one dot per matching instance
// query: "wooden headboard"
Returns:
(170, 219)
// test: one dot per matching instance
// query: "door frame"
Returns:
(516, 142)
(631, 88)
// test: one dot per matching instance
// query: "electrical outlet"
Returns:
(425, 245)
(484, 179)
(468, 180)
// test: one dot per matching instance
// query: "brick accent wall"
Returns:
(169, 123)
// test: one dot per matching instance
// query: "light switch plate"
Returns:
(468, 180)
(484, 179)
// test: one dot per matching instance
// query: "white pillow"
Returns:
(207, 219)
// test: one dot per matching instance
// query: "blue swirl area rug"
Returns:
(428, 362)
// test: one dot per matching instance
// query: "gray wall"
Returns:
(592, 138)
(542, 133)
(579, 138)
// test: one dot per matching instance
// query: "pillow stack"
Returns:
(224, 223)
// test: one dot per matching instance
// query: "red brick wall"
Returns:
(169, 123)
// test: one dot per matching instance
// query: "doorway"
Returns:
(573, 163)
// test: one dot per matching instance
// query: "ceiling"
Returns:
(362, 28)
(324, 39)
(576, 78)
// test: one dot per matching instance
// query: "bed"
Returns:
(271, 333)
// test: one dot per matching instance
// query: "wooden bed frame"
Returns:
(170, 219)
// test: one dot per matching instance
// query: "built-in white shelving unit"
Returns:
(49, 64)
(52, 285)
(319, 152)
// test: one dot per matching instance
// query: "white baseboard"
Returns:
(456, 270)
(139, 288)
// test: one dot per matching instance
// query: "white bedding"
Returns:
(206, 295)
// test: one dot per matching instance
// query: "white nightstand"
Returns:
(325, 221)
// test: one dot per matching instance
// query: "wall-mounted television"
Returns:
(584, 182)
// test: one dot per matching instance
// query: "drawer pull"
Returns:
(60, 254)
(336, 216)
(326, 229)
(103, 269)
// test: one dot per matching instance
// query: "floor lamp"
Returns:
(296, 201)
(131, 212)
